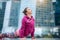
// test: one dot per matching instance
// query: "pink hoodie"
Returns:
(27, 27)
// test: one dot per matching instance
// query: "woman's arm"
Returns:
(21, 31)
(32, 34)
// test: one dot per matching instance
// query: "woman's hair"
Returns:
(25, 10)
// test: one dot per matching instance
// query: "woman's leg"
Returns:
(18, 34)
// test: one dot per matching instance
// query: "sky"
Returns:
(53, 0)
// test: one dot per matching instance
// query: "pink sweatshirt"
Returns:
(27, 27)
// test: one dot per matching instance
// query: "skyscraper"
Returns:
(57, 13)
(2, 12)
(44, 13)
(11, 16)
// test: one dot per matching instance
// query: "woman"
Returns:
(27, 27)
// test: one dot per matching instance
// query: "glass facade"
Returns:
(13, 21)
(57, 13)
(2, 11)
(44, 13)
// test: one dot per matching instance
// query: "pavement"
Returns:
(30, 39)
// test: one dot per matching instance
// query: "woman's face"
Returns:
(29, 11)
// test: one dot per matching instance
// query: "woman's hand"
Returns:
(17, 32)
(33, 38)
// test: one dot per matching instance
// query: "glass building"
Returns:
(44, 13)
(2, 12)
(15, 7)
(11, 17)
(57, 13)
